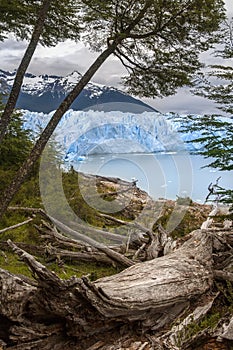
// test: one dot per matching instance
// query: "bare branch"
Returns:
(223, 275)
(16, 225)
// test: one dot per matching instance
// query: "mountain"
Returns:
(44, 93)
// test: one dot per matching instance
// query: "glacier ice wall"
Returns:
(81, 133)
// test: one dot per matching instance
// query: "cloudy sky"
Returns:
(69, 56)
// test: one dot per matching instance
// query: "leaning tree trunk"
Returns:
(37, 150)
(39, 146)
(134, 305)
(11, 103)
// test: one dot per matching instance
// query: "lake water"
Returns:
(162, 175)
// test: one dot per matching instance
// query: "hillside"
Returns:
(163, 291)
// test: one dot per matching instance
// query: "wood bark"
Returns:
(11, 103)
(40, 144)
(25, 170)
(131, 307)
(15, 226)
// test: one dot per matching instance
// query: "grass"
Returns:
(11, 263)
(29, 196)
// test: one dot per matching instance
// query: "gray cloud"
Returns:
(67, 57)
(13, 45)
(184, 102)
(109, 74)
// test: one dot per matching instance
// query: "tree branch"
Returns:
(11, 103)
(223, 275)
(15, 226)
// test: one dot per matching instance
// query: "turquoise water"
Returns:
(162, 175)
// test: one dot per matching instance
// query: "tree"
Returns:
(161, 49)
(158, 42)
(16, 145)
(50, 27)
(174, 301)
(20, 17)
(11, 102)
(13, 18)
(217, 130)
(217, 83)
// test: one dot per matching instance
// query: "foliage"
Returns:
(216, 138)
(19, 17)
(161, 39)
(217, 82)
(158, 42)
(216, 131)
(16, 145)
(216, 145)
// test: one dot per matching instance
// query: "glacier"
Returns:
(82, 133)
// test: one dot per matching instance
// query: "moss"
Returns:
(209, 322)
(10, 262)
(184, 201)
(188, 218)
(94, 271)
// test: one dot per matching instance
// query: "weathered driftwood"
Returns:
(57, 245)
(78, 227)
(112, 311)
(180, 335)
(16, 225)
(156, 245)
(227, 330)
(115, 256)
(141, 293)
(52, 253)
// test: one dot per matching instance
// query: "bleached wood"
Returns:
(15, 226)
(59, 314)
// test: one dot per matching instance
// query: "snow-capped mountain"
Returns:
(44, 93)
(81, 133)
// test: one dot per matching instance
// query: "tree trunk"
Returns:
(134, 307)
(64, 106)
(11, 103)
(37, 150)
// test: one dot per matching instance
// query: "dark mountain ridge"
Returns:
(44, 93)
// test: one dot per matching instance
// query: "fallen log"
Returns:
(120, 309)
(115, 256)
(160, 283)
(51, 253)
